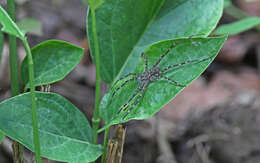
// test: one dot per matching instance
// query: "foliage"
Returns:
(57, 59)
(9, 26)
(126, 34)
(64, 131)
(65, 134)
(243, 23)
(56, 140)
(238, 26)
(161, 92)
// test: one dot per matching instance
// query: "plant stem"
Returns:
(96, 118)
(36, 139)
(105, 145)
(15, 90)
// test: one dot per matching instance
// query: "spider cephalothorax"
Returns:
(151, 75)
(143, 79)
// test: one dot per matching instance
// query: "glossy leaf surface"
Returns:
(9, 26)
(160, 92)
(124, 34)
(238, 26)
(53, 60)
(65, 133)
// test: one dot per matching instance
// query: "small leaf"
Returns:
(2, 136)
(160, 92)
(1, 44)
(53, 60)
(65, 134)
(9, 26)
(238, 27)
(31, 26)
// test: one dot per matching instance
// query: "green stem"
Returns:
(96, 118)
(105, 145)
(15, 90)
(36, 139)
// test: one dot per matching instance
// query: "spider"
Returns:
(149, 76)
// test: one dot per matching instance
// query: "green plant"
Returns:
(244, 22)
(117, 39)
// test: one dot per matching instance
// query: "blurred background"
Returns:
(216, 119)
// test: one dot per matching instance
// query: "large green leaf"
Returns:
(127, 27)
(160, 92)
(238, 26)
(65, 133)
(1, 44)
(9, 26)
(53, 60)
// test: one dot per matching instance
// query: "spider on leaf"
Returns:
(149, 76)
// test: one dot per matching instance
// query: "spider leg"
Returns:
(173, 82)
(137, 100)
(167, 51)
(127, 75)
(128, 102)
(130, 99)
(171, 47)
(122, 85)
(162, 56)
(146, 61)
(183, 63)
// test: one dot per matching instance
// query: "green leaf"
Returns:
(9, 26)
(2, 136)
(238, 27)
(160, 92)
(65, 133)
(31, 26)
(124, 34)
(53, 60)
(1, 44)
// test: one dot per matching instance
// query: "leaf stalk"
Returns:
(96, 116)
(36, 138)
